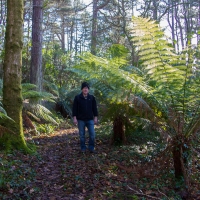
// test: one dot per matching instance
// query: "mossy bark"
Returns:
(12, 96)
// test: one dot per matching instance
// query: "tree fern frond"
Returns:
(43, 113)
(2, 110)
(27, 87)
(36, 96)
(50, 87)
(38, 112)
(5, 116)
(33, 116)
(156, 52)
(29, 92)
(193, 126)
(108, 71)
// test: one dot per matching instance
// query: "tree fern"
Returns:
(165, 89)
(176, 86)
(29, 92)
(38, 112)
(109, 72)
(31, 106)
(173, 74)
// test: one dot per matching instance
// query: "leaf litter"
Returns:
(59, 171)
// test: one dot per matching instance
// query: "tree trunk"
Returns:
(119, 136)
(36, 51)
(63, 33)
(177, 157)
(12, 96)
(96, 8)
(172, 26)
(94, 28)
(179, 161)
(3, 13)
(198, 34)
(155, 10)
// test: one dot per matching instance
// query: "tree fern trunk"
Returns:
(177, 156)
(119, 136)
(179, 161)
(12, 97)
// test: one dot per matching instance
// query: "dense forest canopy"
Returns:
(70, 24)
(72, 27)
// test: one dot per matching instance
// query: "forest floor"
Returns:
(59, 171)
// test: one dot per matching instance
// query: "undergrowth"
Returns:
(140, 168)
(16, 176)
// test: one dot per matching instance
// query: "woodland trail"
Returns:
(63, 172)
(59, 171)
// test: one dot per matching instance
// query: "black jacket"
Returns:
(84, 109)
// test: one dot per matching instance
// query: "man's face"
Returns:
(85, 90)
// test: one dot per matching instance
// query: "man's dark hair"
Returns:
(85, 84)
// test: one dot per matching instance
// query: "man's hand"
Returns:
(95, 120)
(75, 121)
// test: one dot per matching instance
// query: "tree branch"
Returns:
(103, 5)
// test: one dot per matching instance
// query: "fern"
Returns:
(109, 74)
(31, 106)
(29, 92)
(42, 113)
(173, 74)
(50, 87)
(164, 90)
(3, 116)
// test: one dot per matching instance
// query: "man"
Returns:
(85, 115)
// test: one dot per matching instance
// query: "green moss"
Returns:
(9, 142)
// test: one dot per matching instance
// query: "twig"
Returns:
(161, 192)
(142, 194)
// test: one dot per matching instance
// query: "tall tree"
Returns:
(2, 30)
(2, 12)
(36, 52)
(96, 9)
(12, 96)
(198, 25)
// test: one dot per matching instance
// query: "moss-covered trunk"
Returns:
(12, 96)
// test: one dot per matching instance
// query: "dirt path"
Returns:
(63, 172)
(59, 171)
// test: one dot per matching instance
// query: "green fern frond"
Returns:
(28, 87)
(2, 110)
(42, 113)
(50, 87)
(29, 92)
(108, 72)
(33, 116)
(154, 50)
(159, 61)
(36, 96)
(4, 116)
